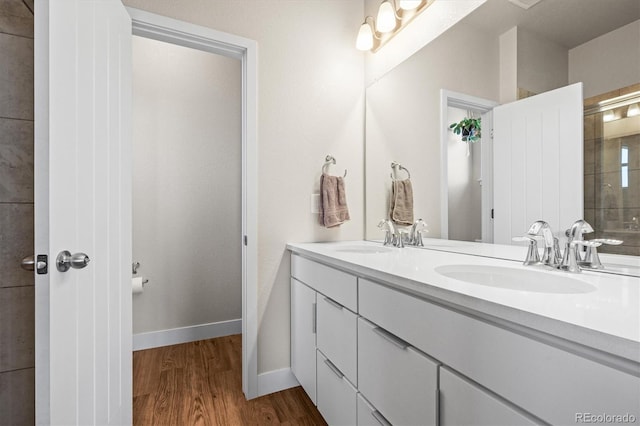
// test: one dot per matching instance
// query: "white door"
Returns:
(538, 162)
(83, 204)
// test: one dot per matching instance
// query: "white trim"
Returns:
(449, 98)
(189, 35)
(276, 381)
(174, 336)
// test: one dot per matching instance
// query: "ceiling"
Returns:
(569, 23)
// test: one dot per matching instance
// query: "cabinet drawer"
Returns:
(527, 372)
(336, 396)
(464, 403)
(368, 415)
(337, 337)
(338, 285)
(397, 379)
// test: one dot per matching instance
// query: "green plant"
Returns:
(469, 128)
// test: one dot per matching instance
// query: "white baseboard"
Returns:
(276, 381)
(174, 336)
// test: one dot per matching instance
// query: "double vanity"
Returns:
(381, 335)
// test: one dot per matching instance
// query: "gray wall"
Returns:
(187, 216)
(16, 214)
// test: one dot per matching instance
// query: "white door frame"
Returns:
(180, 33)
(448, 99)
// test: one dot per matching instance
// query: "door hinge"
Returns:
(245, 240)
(491, 213)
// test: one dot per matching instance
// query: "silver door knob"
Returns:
(66, 260)
(28, 263)
(37, 263)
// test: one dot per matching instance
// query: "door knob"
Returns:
(30, 263)
(66, 260)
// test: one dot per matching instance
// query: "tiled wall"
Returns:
(16, 213)
(611, 207)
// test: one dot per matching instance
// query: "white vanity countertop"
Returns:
(607, 319)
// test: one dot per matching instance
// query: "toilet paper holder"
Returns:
(134, 270)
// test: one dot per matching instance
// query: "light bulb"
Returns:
(365, 37)
(633, 110)
(409, 4)
(608, 116)
(386, 20)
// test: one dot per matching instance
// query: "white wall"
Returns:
(529, 61)
(186, 186)
(310, 104)
(608, 62)
(508, 42)
(403, 118)
(542, 64)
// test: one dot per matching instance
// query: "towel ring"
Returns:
(399, 166)
(329, 160)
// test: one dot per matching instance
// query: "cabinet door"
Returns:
(336, 396)
(464, 403)
(303, 336)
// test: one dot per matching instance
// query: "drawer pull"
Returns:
(333, 303)
(334, 369)
(314, 319)
(380, 418)
(391, 338)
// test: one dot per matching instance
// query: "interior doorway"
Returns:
(466, 190)
(160, 28)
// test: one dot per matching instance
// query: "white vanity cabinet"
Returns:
(383, 355)
(324, 337)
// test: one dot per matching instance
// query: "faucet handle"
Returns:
(608, 241)
(389, 231)
(533, 257)
(571, 261)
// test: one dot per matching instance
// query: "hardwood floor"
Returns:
(200, 383)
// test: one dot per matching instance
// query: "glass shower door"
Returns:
(612, 172)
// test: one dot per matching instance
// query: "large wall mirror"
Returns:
(500, 53)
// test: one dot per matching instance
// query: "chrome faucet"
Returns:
(415, 235)
(550, 256)
(389, 232)
(572, 257)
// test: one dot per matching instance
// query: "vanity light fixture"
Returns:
(392, 17)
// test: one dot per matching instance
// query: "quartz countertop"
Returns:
(606, 319)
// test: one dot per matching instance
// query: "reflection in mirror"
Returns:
(503, 53)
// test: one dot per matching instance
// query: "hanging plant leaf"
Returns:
(469, 128)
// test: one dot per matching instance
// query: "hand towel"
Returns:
(401, 209)
(334, 210)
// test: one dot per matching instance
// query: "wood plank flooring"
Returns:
(200, 383)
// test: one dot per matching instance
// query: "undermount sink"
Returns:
(364, 249)
(516, 279)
